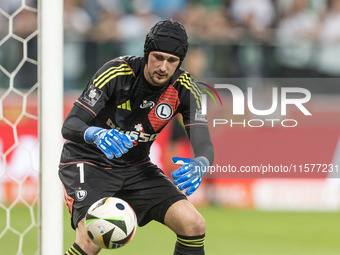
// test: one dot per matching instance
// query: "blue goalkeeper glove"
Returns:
(189, 175)
(111, 142)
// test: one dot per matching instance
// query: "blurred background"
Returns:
(256, 43)
(228, 38)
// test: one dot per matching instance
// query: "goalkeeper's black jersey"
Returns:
(118, 96)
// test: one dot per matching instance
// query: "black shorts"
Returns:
(145, 187)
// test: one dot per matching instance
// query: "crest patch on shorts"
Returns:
(81, 194)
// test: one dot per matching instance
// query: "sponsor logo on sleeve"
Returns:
(199, 116)
(92, 95)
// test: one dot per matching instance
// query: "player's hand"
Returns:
(111, 142)
(189, 175)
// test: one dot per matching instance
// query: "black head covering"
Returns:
(167, 36)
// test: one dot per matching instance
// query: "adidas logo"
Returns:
(125, 106)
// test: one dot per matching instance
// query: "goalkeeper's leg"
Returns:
(183, 218)
(83, 245)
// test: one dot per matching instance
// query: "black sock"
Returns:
(190, 245)
(75, 250)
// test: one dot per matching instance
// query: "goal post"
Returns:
(51, 117)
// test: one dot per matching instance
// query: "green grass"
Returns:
(229, 231)
(245, 232)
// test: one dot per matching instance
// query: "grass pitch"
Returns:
(243, 232)
(229, 231)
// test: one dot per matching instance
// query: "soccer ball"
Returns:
(110, 223)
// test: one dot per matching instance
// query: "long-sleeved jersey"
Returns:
(118, 96)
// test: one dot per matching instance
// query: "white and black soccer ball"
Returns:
(110, 223)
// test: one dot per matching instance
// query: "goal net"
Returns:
(30, 192)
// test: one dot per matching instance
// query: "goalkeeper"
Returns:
(109, 132)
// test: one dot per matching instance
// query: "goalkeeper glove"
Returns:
(111, 142)
(189, 175)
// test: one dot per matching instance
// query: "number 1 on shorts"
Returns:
(81, 172)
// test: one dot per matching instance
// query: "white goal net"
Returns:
(25, 170)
